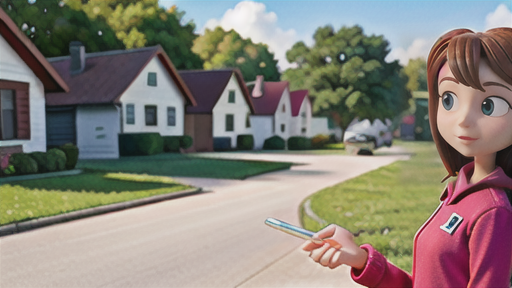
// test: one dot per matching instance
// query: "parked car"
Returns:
(363, 137)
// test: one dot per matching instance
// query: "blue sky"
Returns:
(410, 26)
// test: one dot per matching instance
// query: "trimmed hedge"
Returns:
(171, 143)
(186, 141)
(23, 164)
(71, 152)
(299, 143)
(245, 142)
(56, 159)
(274, 143)
(132, 144)
(221, 143)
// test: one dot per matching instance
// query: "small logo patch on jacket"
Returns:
(452, 224)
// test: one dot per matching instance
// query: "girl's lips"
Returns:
(467, 138)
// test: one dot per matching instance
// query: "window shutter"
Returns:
(23, 113)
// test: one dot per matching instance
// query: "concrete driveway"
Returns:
(215, 239)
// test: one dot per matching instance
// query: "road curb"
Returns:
(65, 217)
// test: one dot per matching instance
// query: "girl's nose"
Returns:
(466, 117)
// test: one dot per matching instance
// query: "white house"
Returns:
(223, 107)
(273, 111)
(113, 92)
(301, 113)
(25, 77)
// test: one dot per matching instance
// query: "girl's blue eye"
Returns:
(450, 101)
(495, 106)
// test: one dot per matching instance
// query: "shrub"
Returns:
(186, 141)
(221, 143)
(171, 143)
(71, 152)
(56, 158)
(43, 164)
(299, 143)
(274, 143)
(23, 163)
(131, 144)
(244, 142)
(319, 141)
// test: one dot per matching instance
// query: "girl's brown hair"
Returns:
(463, 49)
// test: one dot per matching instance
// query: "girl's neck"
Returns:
(484, 165)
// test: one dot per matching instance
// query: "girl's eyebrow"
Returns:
(496, 84)
(448, 79)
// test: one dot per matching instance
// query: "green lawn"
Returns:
(389, 204)
(30, 199)
(169, 164)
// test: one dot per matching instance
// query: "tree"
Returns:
(164, 28)
(142, 23)
(347, 77)
(51, 26)
(416, 70)
(222, 49)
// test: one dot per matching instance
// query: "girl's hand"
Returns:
(343, 251)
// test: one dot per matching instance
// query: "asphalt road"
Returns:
(214, 239)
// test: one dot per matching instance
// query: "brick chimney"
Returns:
(77, 52)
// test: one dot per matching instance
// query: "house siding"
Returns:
(261, 130)
(298, 122)
(283, 118)
(239, 109)
(98, 128)
(165, 94)
(13, 68)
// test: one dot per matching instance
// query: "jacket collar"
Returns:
(460, 188)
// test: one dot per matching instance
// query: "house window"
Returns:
(150, 115)
(171, 116)
(230, 122)
(248, 121)
(284, 108)
(130, 113)
(152, 79)
(231, 98)
(8, 115)
(283, 128)
(303, 130)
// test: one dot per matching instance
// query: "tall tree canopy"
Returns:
(416, 70)
(52, 25)
(347, 77)
(142, 23)
(105, 25)
(221, 49)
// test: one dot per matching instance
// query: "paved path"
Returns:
(215, 239)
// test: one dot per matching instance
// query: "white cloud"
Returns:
(418, 49)
(251, 20)
(501, 17)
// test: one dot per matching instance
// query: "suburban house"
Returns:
(272, 111)
(301, 114)
(113, 92)
(25, 77)
(223, 107)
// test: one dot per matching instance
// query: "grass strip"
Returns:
(388, 204)
(31, 199)
(178, 165)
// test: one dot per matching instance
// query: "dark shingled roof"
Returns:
(108, 74)
(267, 104)
(297, 97)
(29, 53)
(207, 87)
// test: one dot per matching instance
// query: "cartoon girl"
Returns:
(467, 242)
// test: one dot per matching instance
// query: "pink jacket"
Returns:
(467, 242)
